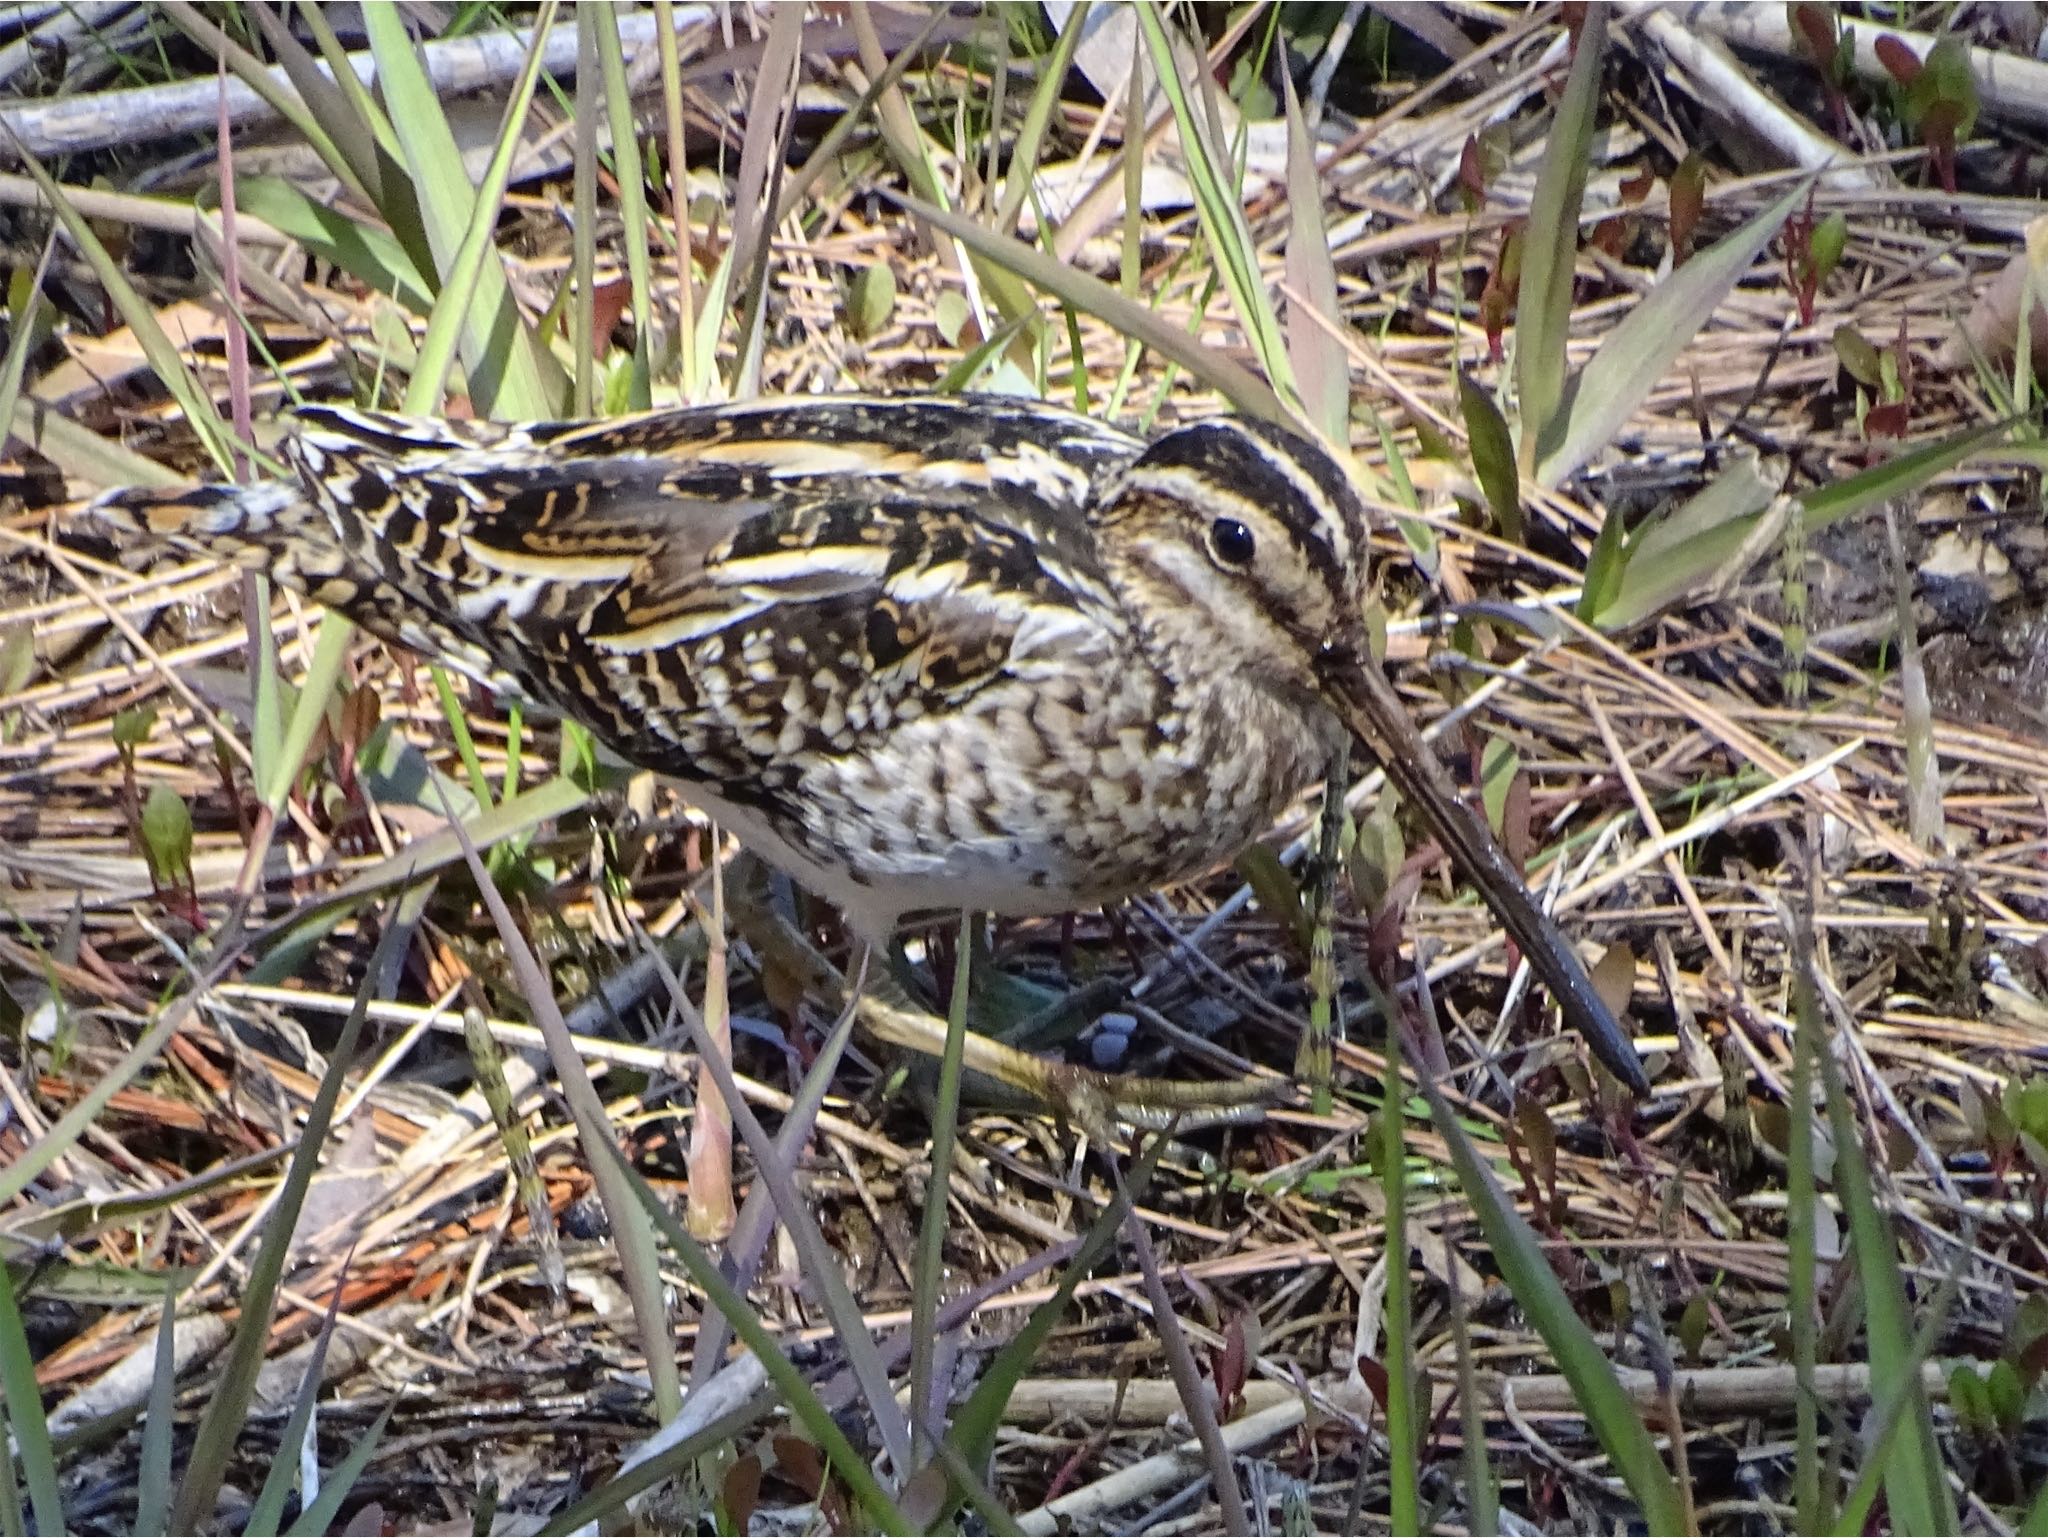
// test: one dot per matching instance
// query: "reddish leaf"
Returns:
(1614, 977)
(798, 1462)
(1816, 30)
(1635, 188)
(1375, 1374)
(1230, 1368)
(1938, 133)
(1891, 420)
(1688, 202)
(1902, 63)
(1610, 237)
(1538, 1138)
(1472, 173)
(1493, 315)
(1515, 832)
(608, 305)
(741, 1493)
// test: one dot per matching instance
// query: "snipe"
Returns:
(923, 653)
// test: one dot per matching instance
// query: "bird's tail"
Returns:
(281, 530)
(272, 527)
(218, 521)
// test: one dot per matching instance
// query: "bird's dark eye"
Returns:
(1231, 542)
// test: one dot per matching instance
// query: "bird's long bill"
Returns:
(1367, 704)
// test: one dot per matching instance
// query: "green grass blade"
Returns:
(1220, 208)
(1897, 477)
(310, 711)
(364, 252)
(1582, 1359)
(153, 1471)
(445, 324)
(605, 1508)
(930, 1274)
(136, 313)
(81, 452)
(253, 73)
(267, 1514)
(327, 101)
(632, 182)
(1640, 350)
(28, 331)
(1406, 1412)
(21, 1413)
(978, 1421)
(1915, 1479)
(2034, 1523)
(632, 1239)
(797, 1394)
(508, 374)
(1550, 246)
(319, 1515)
(228, 1407)
(1045, 98)
(1089, 294)
(1802, 1251)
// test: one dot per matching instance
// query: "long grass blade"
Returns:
(1638, 352)
(319, 1515)
(803, 1402)
(267, 1514)
(508, 374)
(632, 184)
(930, 1275)
(1581, 1358)
(1550, 246)
(1221, 208)
(228, 1408)
(153, 1466)
(631, 1236)
(1915, 1479)
(445, 325)
(22, 1420)
(1089, 294)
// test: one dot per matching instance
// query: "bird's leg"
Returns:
(1097, 1103)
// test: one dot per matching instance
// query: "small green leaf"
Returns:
(132, 726)
(1493, 456)
(1688, 202)
(2007, 1396)
(166, 834)
(871, 300)
(952, 314)
(1275, 890)
(1968, 1398)
(1859, 357)
(1604, 567)
(1692, 1326)
(1824, 250)
(1498, 765)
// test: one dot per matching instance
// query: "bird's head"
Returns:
(1249, 536)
